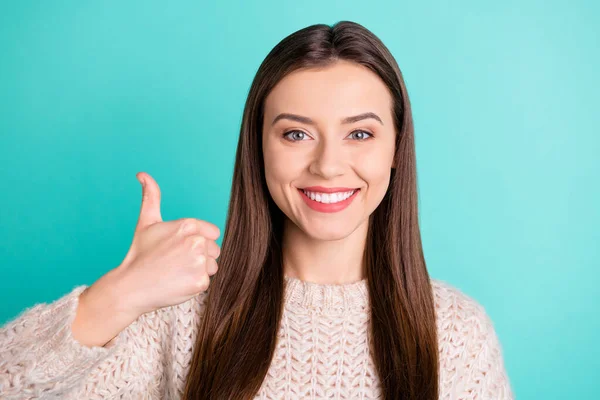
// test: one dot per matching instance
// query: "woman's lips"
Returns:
(328, 207)
(321, 189)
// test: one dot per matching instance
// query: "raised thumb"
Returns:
(150, 210)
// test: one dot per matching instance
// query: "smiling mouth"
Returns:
(329, 198)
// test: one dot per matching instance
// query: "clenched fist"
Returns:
(168, 262)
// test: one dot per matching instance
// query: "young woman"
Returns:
(321, 289)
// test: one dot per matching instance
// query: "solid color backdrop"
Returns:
(505, 101)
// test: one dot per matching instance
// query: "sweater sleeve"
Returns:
(485, 375)
(39, 357)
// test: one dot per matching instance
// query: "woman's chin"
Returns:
(329, 233)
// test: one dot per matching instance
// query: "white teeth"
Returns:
(329, 198)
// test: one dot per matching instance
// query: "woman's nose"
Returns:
(328, 160)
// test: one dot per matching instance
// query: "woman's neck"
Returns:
(335, 261)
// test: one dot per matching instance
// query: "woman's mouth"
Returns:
(328, 202)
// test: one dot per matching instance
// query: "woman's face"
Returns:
(315, 146)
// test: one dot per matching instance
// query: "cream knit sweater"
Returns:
(322, 350)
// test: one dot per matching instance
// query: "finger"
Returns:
(198, 244)
(150, 210)
(193, 226)
(211, 266)
(212, 249)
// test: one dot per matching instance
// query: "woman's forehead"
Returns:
(336, 91)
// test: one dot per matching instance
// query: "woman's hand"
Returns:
(168, 262)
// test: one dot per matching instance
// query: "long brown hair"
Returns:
(238, 331)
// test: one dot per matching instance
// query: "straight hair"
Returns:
(237, 335)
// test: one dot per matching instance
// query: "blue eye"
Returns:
(361, 131)
(285, 135)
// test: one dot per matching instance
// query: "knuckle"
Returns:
(199, 252)
(200, 242)
(201, 259)
(196, 244)
(187, 226)
(203, 282)
(189, 242)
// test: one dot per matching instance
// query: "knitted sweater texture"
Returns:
(322, 350)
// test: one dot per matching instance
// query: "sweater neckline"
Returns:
(345, 296)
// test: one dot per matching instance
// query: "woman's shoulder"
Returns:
(457, 312)
(471, 356)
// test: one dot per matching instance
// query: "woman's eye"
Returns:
(286, 135)
(300, 135)
(363, 136)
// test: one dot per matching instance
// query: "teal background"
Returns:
(505, 102)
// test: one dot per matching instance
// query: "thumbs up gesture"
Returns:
(168, 262)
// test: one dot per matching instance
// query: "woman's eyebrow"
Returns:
(308, 121)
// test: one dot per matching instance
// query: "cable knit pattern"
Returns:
(322, 350)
